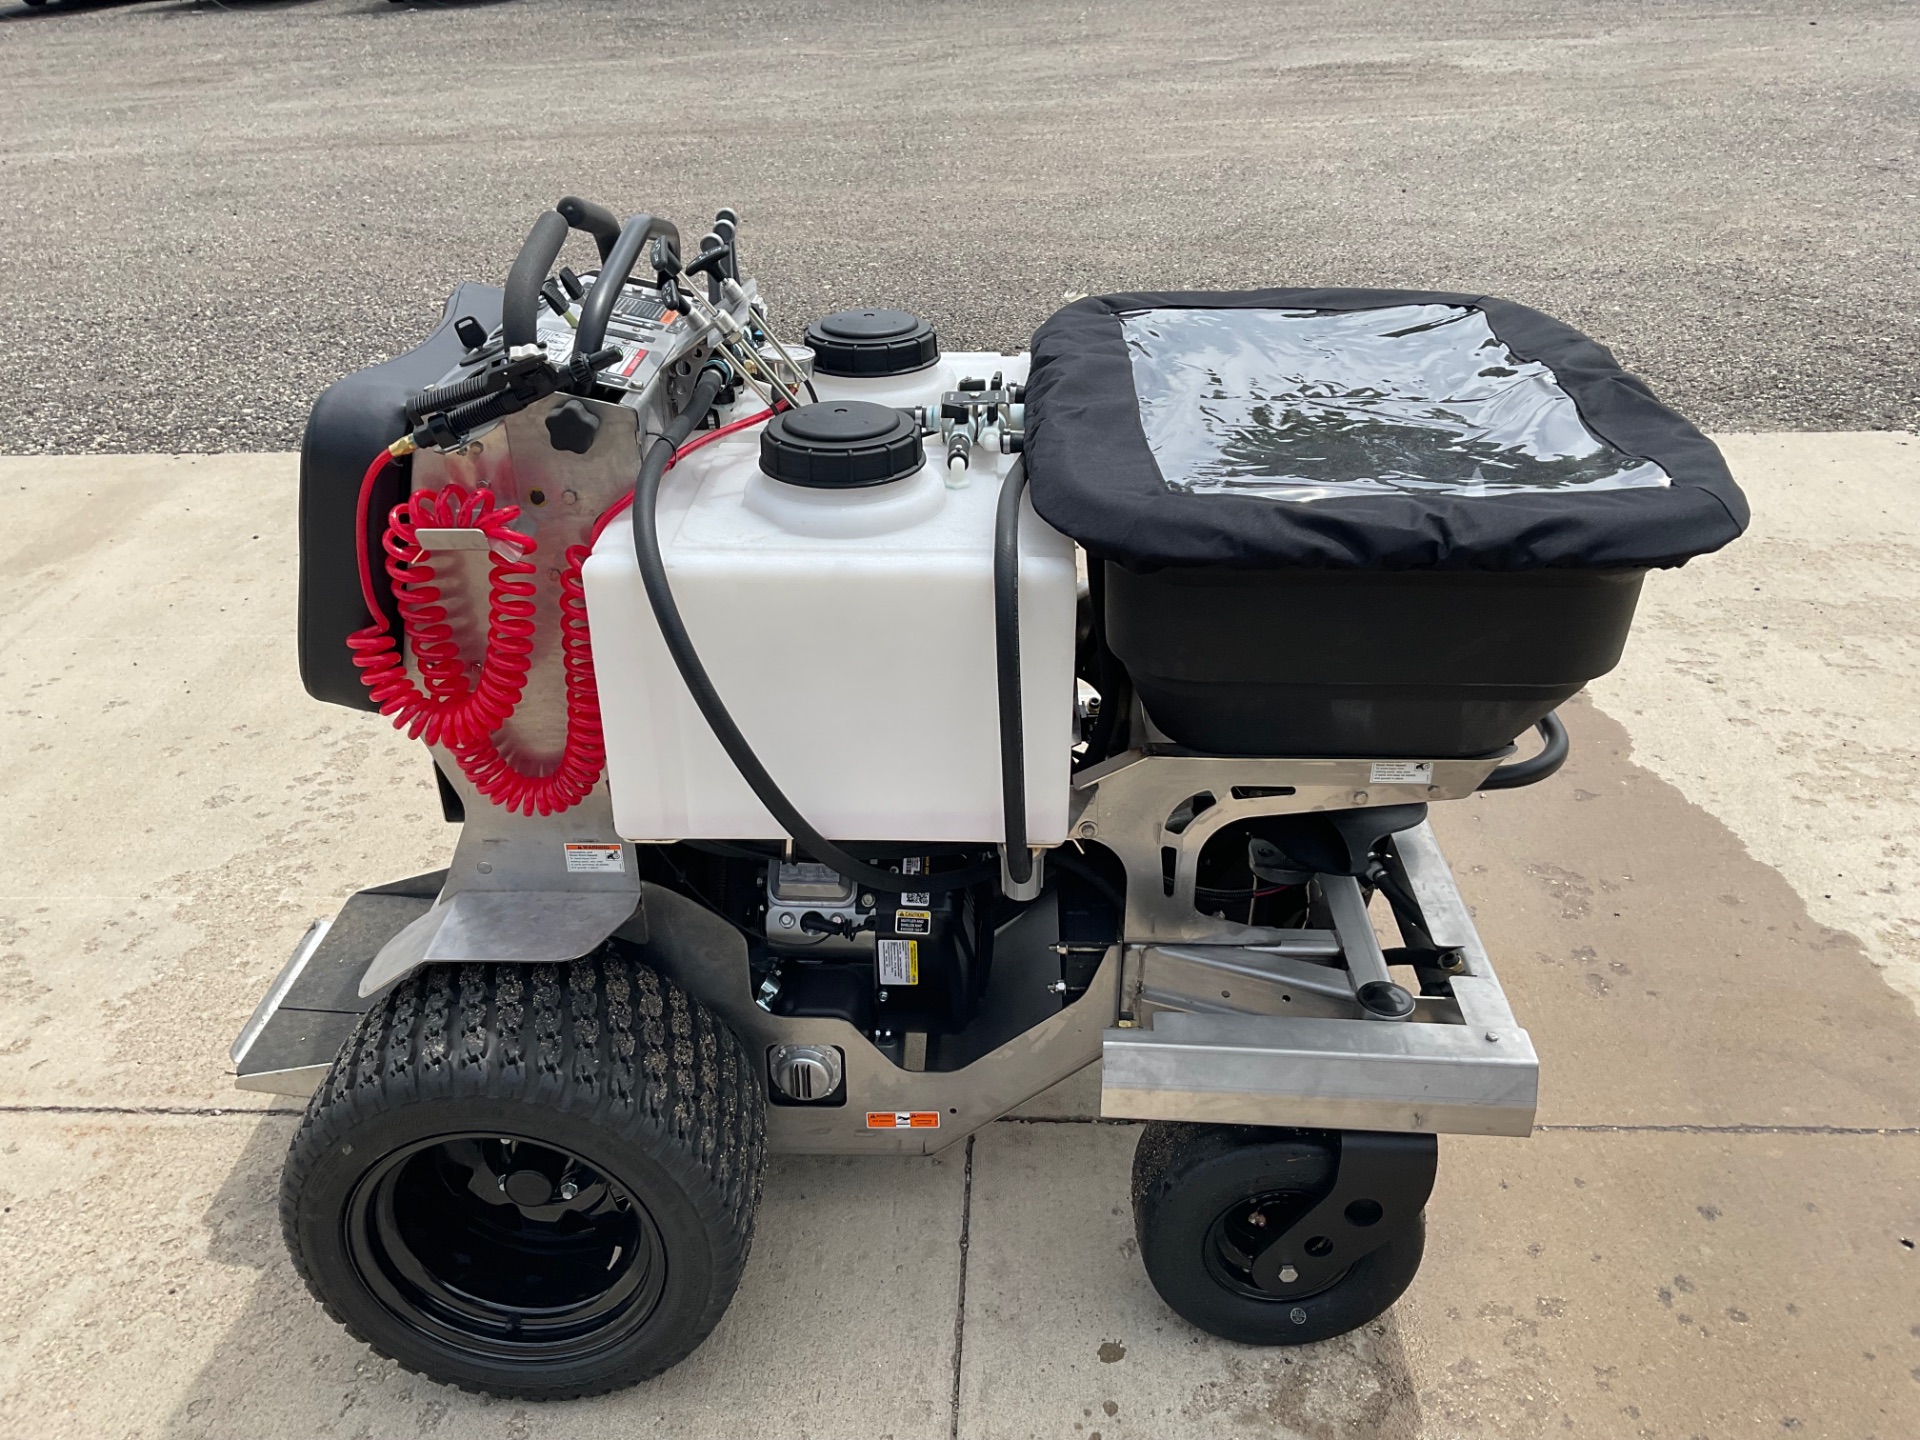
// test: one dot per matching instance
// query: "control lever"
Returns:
(664, 256)
(712, 261)
(558, 302)
(726, 224)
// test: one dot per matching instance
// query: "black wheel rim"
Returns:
(504, 1248)
(1243, 1230)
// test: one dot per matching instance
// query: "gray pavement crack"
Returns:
(960, 1305)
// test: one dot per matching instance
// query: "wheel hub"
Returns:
(506, 1248)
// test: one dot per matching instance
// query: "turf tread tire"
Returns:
(603, 1040)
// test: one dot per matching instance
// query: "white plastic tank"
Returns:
(850, 634)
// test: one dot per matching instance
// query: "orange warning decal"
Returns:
(903, 1120)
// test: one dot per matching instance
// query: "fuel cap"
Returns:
(841, 445)
(872, 343)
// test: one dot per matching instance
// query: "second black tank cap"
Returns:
(858, 344)
(841, 445)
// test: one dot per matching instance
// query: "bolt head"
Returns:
(787, 921)
(1287, 1276)
(1359, 797)
(1088, 829)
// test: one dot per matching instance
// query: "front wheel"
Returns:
(1208, 1198)
(536, 1181)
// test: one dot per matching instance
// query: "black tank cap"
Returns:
(870, 343)
(841, 445)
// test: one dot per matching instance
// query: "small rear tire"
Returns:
(1203, 1197)
(534, 1181)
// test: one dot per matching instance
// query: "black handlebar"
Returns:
(520, 305)
(1553, 754)
(596, 220)
(615, 267)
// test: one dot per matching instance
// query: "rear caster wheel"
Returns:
(1210, 1200)
(536, 1181)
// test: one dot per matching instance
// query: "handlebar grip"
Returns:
(617, 265)
(520, 305)
(596, 220)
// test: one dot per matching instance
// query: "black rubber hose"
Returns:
(596, 220)
(1006, 654)
(1535, 768)
(520, 305)
(673, 630)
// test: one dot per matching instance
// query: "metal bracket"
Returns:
(1129, 802)
(1380, 1188)
(1266, 1027)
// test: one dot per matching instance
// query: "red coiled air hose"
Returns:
(456, 708)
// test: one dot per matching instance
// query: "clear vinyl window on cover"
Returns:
(1408, 399)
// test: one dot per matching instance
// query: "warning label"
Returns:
(1401, 772)
(899, 962)
(903, 1120)
(913, 922)
(593, 858)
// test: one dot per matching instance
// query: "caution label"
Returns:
(899, 962)
(903, 1120)
(1401, 772)
(592, 858)
(913, 922)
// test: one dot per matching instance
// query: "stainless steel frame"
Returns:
(1227, 1022)
(1196, 1017)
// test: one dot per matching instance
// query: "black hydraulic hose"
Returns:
(615, 267)
(1006, 654)
(595, 220)
(520, 304)
(1535, 768)
(673, 630)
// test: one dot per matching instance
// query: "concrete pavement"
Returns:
(1712, 1234)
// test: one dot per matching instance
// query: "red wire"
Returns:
(459, 707)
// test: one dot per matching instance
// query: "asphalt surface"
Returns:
(212, 210)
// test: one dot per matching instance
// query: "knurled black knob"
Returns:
(572, 426)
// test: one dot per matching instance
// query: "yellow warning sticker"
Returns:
(899, 962)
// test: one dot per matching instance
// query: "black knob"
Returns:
(576, 287)
(471, 332)
(1385, 998)
(555, 297)
(572, 426)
